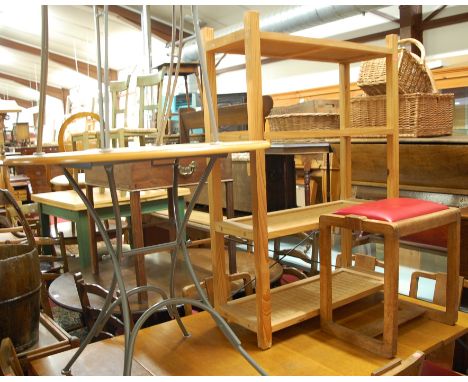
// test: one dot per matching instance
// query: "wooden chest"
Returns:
(155, 173)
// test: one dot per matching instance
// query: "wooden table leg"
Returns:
(92, 234)
(84, 239)
(138, 242)
(44, 220)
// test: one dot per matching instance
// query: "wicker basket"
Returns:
(413, 75)
(304, 121)
(421, 115)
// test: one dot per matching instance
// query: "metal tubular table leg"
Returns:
(171, 303)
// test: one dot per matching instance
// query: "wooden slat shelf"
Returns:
(332, 133)
(300, 301)
(280, 45)
(284, 222)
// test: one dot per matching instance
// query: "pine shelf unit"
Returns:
(271, 310)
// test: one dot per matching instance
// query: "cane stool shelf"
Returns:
(300, 301)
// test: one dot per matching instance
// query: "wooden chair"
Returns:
(113, 326)
(73, 141)
(291, 274)
(149, 82)
(360, 261)
(440, 296)
(410, 366)
(9, 363)
(443, 356)
(116, 89)
(190, 291)
(416, 364)
(311, 243)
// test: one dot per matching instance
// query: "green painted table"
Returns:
(68, 205)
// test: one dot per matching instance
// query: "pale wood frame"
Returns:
(249, 42)
(392, 231)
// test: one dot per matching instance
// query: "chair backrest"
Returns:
(9, 363)
(190, 291)
(116, 89)
(234, 116)
(145, 82)
(364, 262)
(84, 135)
(439, 297)
(113, 326)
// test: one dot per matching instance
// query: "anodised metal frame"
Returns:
(170, 303)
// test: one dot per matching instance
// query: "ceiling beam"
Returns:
(435, 13)
(374, 36)
(385, 16)
(83, 67)
(158, 28)
(52, 91)
(20, 101)
(445, 21)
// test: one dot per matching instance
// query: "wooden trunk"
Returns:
(20, 283)
(155, 173)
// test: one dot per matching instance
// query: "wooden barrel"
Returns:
(20, 284)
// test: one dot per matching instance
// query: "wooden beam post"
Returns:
(393, 149)
(411, 24)
(215, 194)
(258, 178)
(345, 157)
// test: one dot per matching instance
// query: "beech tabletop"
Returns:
(132, 154)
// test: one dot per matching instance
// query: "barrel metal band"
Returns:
(17, 298)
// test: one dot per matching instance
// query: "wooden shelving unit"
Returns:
(268, 311)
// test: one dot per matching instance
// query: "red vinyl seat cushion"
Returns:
(393, 209)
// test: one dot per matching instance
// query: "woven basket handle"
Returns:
(7, 198)
(422, 59)
(419, 45)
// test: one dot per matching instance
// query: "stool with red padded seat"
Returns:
(393, 218)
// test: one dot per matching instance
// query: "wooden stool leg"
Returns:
(315, 254)
(390, 328)
(346, 247)
(326, 313)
